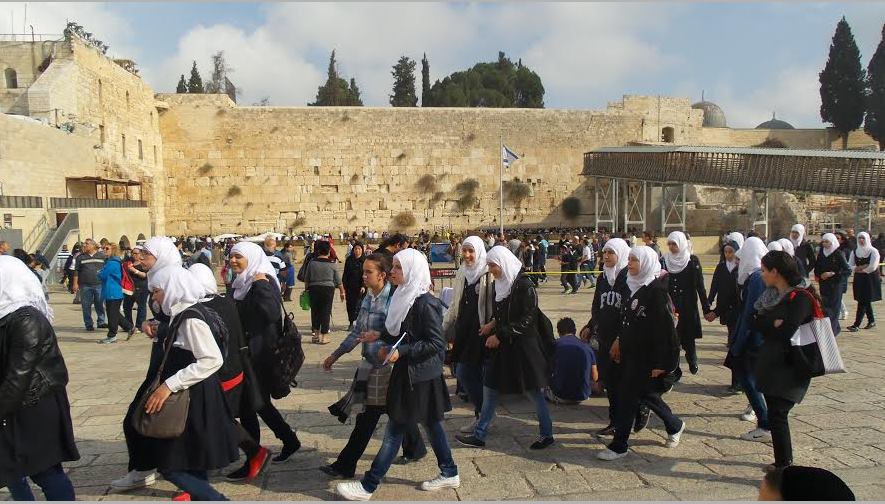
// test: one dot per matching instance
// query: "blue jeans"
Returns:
(470, 377)
(89, 295)
(745, 371)
(393, 439)
(53, 481)
(490, 402)
(195, 483)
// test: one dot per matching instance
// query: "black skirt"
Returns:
(36, 438)
(423, 402)
(867, 287)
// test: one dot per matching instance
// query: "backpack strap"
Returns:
(815, 306)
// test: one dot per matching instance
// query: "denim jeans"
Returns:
(490, 402)
(393, 439)
(53, 481)
(195, 483)
(470, 377)
(139, 300)
(745, 371)
(91, 295)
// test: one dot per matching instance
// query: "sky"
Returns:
(752, 59)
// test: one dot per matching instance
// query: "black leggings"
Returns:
(115, 317)
(864, 309)
(778, 421)
(321, 298)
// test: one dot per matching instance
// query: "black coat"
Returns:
(724, 290)
(867, 287)
(685, 288)
(806, 257)
(648, 338)
(352, 277)
(261, 315)
(518, 364)
(424, 349)
(837, 264)
(606, 312)
(775, 373)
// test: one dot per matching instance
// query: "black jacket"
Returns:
(648, 337)
(686, 288)
(837, 264)
(806, 257)
(424, 349)
(775, 373)
(608, 307)
(352, 277)
(261, 315)
(724, 287)
(31, 364)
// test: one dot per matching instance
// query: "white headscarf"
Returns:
(751, 255)
(799, 228)
(510, 269)
(678, 261)
(649, 268)
(180, 289)
(863, 251)
(19, 287)
(416, 281)
(620, 249)
(479, 268)
(204, 276)
(834, 244)
(735, 237)
(257, 262)
(775, 246)
(162, 248)
(731, 265)
(787, 246)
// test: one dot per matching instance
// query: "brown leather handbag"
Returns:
(171, 420)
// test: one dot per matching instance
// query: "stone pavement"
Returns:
(840, 426)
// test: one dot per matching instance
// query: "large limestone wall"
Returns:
(792, 138)
(252, 169)
(25, 59)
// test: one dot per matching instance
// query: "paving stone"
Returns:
(549, 483)
(510, 485)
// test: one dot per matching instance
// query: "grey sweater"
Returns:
(321, 274)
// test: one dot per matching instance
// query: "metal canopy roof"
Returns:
(841, 173)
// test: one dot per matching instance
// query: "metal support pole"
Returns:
(605, 197)
(673, 206)
(759, 211)
(635, 204)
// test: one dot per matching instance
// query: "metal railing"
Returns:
(95, 203)
(21, 202)
(70, 224)
(38, 232)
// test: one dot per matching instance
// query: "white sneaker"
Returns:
(610, 455)
(757, 434)
(441, 482)
(135, 479)
(748, 415)
(469, 428)
(673, 439)
(353, 491)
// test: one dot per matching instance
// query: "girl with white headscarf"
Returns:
(471, 309)
(867, 284)
(802, 250)
(735, 237)
(775, 246)
(417, 392)
(724, 291)
(159, 252)
(647, 350)
(209, 440)
(750, 256)
(251, 262)
(37, 429)
(831, 270)
(685, 282)
(787, 246)
(517, 362)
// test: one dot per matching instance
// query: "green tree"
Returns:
(220, 71)
(500, 84)
(843, 84)
(874, 124)
(182, 85)
(353, 95)
(425, 82)
(195, 84)
(404, 83)
(336, 92)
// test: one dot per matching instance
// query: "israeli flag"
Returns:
(507, 156)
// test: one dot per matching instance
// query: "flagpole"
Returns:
(501, 185)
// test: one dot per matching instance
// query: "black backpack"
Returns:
(303, 269)
(287, 356)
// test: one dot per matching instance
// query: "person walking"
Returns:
(867, 285)
(830, 268)
(417, 392)
(685, 283)
(111, 276)
(87, 284)
(803, 251)
(352, 279)
(320, 280)
(138, 273)
(724, 292)
(36, 431)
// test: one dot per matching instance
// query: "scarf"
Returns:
(165, 252)
(203, 275)
(731, 265)
(750, 256)
(678, 261)
(180, 289)
(735, 237)
(649, 268)
(863, 251)
(19, 288)
(416, 281)
(833, 244)
(479, 268)
(256, 262)
(620, 248)
(510, 269)
(787, 246)
(775, 246)
(770, 298)
(799, 228)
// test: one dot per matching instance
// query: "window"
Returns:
(11, 78)
(140, 151)
(668, 134)
(101, 133)
(123, 137)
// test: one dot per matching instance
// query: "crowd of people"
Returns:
(218, 354)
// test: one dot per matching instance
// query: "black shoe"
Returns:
(470, 441)
(852, 328)
(608, 430)
(693, 368)
(542, 443)
(239, 475)
(287, 451)
(102, 326)
(90, 329)
(642, 416)
(870, 325)
(332, 471)
(403, 460)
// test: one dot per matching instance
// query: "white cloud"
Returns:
(794, 94)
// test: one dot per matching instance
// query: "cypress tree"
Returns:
(195, 84)
(353, 95)
(404, 83)
(330, 94)
(874, 124)
(843, 84)
(182, 85)
(426, 99)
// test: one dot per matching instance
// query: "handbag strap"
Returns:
(170, 339)
(815, 306)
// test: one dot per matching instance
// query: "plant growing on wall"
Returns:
(297, 223)
(234, 191)
(515, 191)
(426, 184)
(466, 190)
(74, 29)
(571, 208)
(206, 168)
(404, 220)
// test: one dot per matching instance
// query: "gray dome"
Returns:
(775, 123)
(714, 117)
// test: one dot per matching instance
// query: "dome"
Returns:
(714, 117)
(775, 123)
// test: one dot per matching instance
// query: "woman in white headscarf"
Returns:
(37, 429)
(472, 307)
(802, 250)
(685, 282)
(831, 269)
(735, 237)
(648, 353)
(867, 284)
(775, 246)
(724, 291)
(605, 319)
(159, 252)
(517, 360)
(787, 246)
(417, 392)
(193, 360)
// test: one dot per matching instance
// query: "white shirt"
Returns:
(588, 253)
(195, 336)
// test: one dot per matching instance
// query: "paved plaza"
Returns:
(840, 426)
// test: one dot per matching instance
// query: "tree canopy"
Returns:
(336, 91)
(501, 84)
(404, 94)
(874, 123)
(843, 84)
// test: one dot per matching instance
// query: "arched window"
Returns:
(11, 78)
(668, 134)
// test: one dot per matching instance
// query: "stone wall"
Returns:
(24, 59)
(792, 138)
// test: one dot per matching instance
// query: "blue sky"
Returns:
(750, 58)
